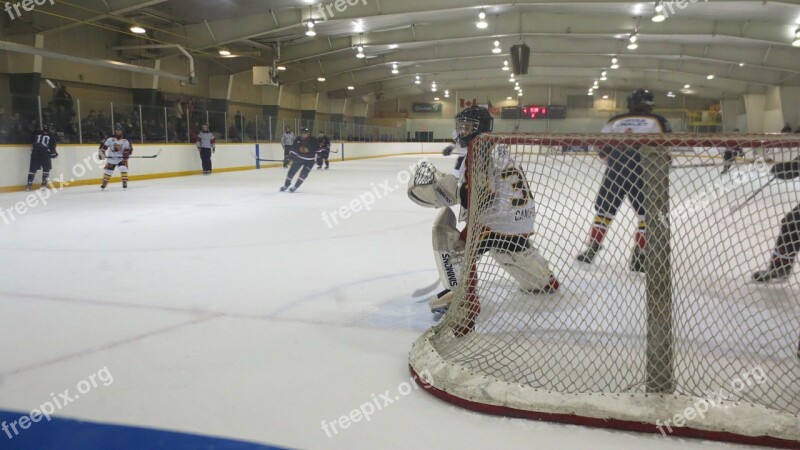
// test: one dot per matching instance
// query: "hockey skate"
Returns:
(441, 302)
(29, 187)
(293, 189)
(637, 260)
(284, 188)
(550, 288)
(774, 273)
(587, 257)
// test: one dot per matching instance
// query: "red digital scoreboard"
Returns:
(534, 112)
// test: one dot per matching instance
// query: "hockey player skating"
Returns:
(116, 150)
(302, 155)
(729, 156)
(623, 176)
(42, 152)
(324, 151)
(508, 215)
(206, 145)
(287, 140)
(787, 246)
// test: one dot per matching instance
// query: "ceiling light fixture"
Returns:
(497, 48)
(224, 52)
(360, 54)
(614, 63)
(310, 31)
(711, 76)
(687, 86)
(321, 79)
(394, 69)
(482, 23)
(351, 88)
(632, 45)
(505, 65)
(659, 17)
(417, 80)
(281, 68)
(137, 29)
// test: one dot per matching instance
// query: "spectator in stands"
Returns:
(62, 97)
(250, 131)
(238, 121)
(786, 128)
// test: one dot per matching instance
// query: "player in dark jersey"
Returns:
(788, 245)
(623, 177)
(302, 155)
(324, 151)
(729, 156)
(44, 149)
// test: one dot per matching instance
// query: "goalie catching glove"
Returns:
(431, 188)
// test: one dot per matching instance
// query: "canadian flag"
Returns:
(467, 103)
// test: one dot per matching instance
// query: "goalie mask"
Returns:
(473, 121)
(431, 188)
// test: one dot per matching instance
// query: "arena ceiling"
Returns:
(745, 45)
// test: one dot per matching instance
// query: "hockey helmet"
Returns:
(304, 130)
(118, 127)
(472, 122)
(641, 100)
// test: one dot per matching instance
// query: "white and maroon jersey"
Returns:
(511, 209)
(461, 149)
(115, 148)
(637, 123)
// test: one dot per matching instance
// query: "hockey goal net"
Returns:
(689, 346)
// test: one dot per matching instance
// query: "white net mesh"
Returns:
(690, 332)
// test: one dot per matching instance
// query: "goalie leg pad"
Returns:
(448, 248)
(529, 269)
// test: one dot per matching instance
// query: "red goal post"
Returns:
(690, 347)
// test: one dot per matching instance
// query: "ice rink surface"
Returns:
(222, 307)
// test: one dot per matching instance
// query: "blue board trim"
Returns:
(67, 434)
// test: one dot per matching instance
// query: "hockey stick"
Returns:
(147, 157)
(264, 160)
(426, 290)
(753, 195)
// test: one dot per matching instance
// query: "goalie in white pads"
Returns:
(508, 215)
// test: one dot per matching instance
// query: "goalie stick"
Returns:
(753, 195)
(426, 290)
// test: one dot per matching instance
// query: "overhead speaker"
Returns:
(520, 59)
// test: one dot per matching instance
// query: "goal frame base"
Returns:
(590, 422)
